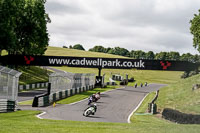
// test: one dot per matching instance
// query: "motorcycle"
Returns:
(94, 98)
(90, 110)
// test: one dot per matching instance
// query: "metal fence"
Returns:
(65, 80)
(9, 83)
(8, 88)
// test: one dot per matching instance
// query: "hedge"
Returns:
(179, 117)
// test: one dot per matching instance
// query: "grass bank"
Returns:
(180, 96)
(33, 74)
(141, 76)
(57, 51)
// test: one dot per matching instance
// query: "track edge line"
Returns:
(39, 115)
(129, 117)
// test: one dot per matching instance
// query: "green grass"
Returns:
(33, 74)
(28, 102)
(26, 122)
(180, 96)
(141, 76)
(144, 105)
(84, 95)
(57, 51)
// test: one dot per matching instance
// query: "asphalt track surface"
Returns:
(114, 106)
(29, 95)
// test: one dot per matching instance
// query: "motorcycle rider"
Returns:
(97, 96)
(94, 98)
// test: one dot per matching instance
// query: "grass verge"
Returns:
(25, 121)
(28, 102)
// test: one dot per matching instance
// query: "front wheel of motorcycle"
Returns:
(87, 113)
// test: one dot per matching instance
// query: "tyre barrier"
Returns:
(124, 82)
(131, 79)
(32, 86)
(111, 83)
(46, 100)
(179, 117)
(117, 77)
(7, 105)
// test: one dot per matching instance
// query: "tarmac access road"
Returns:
(114, 106)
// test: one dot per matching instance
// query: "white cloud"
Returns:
(157, 25)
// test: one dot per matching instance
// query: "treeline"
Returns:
(139, 54)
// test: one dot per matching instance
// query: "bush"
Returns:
(131, 80)
(187, 74)
(178, 117)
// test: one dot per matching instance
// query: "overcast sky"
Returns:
(148, 25)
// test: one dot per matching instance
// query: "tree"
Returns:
(23, 26)
(78, 46)
(150, 55)
(195, 30)
(121, 51)
(8, 14)
(107, 49)
(98, 48)
(196, 58)
(139, 54)
(188, 57)
(174, 56)
(65, 47)
(162, 56)
(111, 51)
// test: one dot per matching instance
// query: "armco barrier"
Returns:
(181, 118)
(152, 107)
(7, 105)
(50, 99)
(32, 86)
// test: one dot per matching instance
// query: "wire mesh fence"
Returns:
(9, 79)
(9, 83)
(65, 80)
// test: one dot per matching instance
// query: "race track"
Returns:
(29, 95)
(114, 106)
